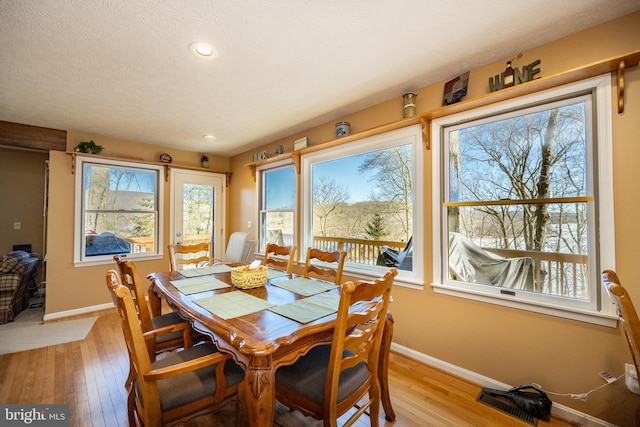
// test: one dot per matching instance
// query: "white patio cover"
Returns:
(470, 263)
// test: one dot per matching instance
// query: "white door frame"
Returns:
(181, 176)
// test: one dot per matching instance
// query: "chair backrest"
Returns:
(626, 313)
(190, 256)
(280, 251)
(333, 272)
(356, 339)
(130, 279)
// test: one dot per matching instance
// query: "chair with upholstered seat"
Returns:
(180, 385)
(330, 269)
(331, 379)
(182, 335)
(274, 255)
(190, 256)
(626, 314)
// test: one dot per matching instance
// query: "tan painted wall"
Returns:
(21, 198)
(505, 344)
(70, 288)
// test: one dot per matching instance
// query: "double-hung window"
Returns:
(365, 198)
(277, 192)
(522, 201)
(118, 210)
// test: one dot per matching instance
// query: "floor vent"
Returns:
(507, 407)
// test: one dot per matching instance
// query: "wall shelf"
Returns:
(617, 64)
(167, 166)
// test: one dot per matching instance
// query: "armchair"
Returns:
(17, 272)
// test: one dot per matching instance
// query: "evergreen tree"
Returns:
(375, 229)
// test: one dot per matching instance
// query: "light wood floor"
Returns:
(89, 375)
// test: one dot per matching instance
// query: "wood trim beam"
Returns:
(32, 137)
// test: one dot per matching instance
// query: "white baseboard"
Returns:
(77, 311)
(557, 409)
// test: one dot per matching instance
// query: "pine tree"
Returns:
(375, 229)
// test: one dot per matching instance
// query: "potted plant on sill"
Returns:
(204, 161)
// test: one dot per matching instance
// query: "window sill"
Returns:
(103, 261)
(596, 318)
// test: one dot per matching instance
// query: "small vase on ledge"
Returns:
(204, 162)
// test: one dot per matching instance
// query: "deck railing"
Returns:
(555, 273)
(358, 250)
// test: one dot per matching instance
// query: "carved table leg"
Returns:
(155, 302)
(383, 368)
(260, 391)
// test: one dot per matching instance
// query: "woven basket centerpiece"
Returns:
(247, 278)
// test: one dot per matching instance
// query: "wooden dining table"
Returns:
(260, 341)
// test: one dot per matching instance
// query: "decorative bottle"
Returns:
(507, 76)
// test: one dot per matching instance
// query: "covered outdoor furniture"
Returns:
(470, 263)
(17, 273)
(106, 244)
(331, 379)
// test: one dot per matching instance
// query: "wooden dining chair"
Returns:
(180, 385)
(274, 255)
(177, 332)
(331, 379)
(626, 314)
(332, 272)
(190, 256)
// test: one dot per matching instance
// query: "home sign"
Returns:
(527, 74)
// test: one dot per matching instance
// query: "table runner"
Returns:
(233, 304)
(195, 285)
(203, 271)
(309, 309)
(304, 286)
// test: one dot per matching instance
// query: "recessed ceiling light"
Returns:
(202, 50)
(209, 137)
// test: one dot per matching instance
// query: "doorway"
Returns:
(197, 209)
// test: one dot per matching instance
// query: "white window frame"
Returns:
(407, 135)
(603, 312)
(260, 170)
(79, 257)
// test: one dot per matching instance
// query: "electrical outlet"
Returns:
(17, 225)
(631, 378)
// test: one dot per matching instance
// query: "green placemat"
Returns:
(203, 271)
(233, 304)
(309, 309)
(194, 285)
(275, 274)
(304, 286)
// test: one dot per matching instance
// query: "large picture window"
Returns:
(117, 210)
(364, 198)
(519, 205)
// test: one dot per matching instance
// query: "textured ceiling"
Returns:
(122, 69)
